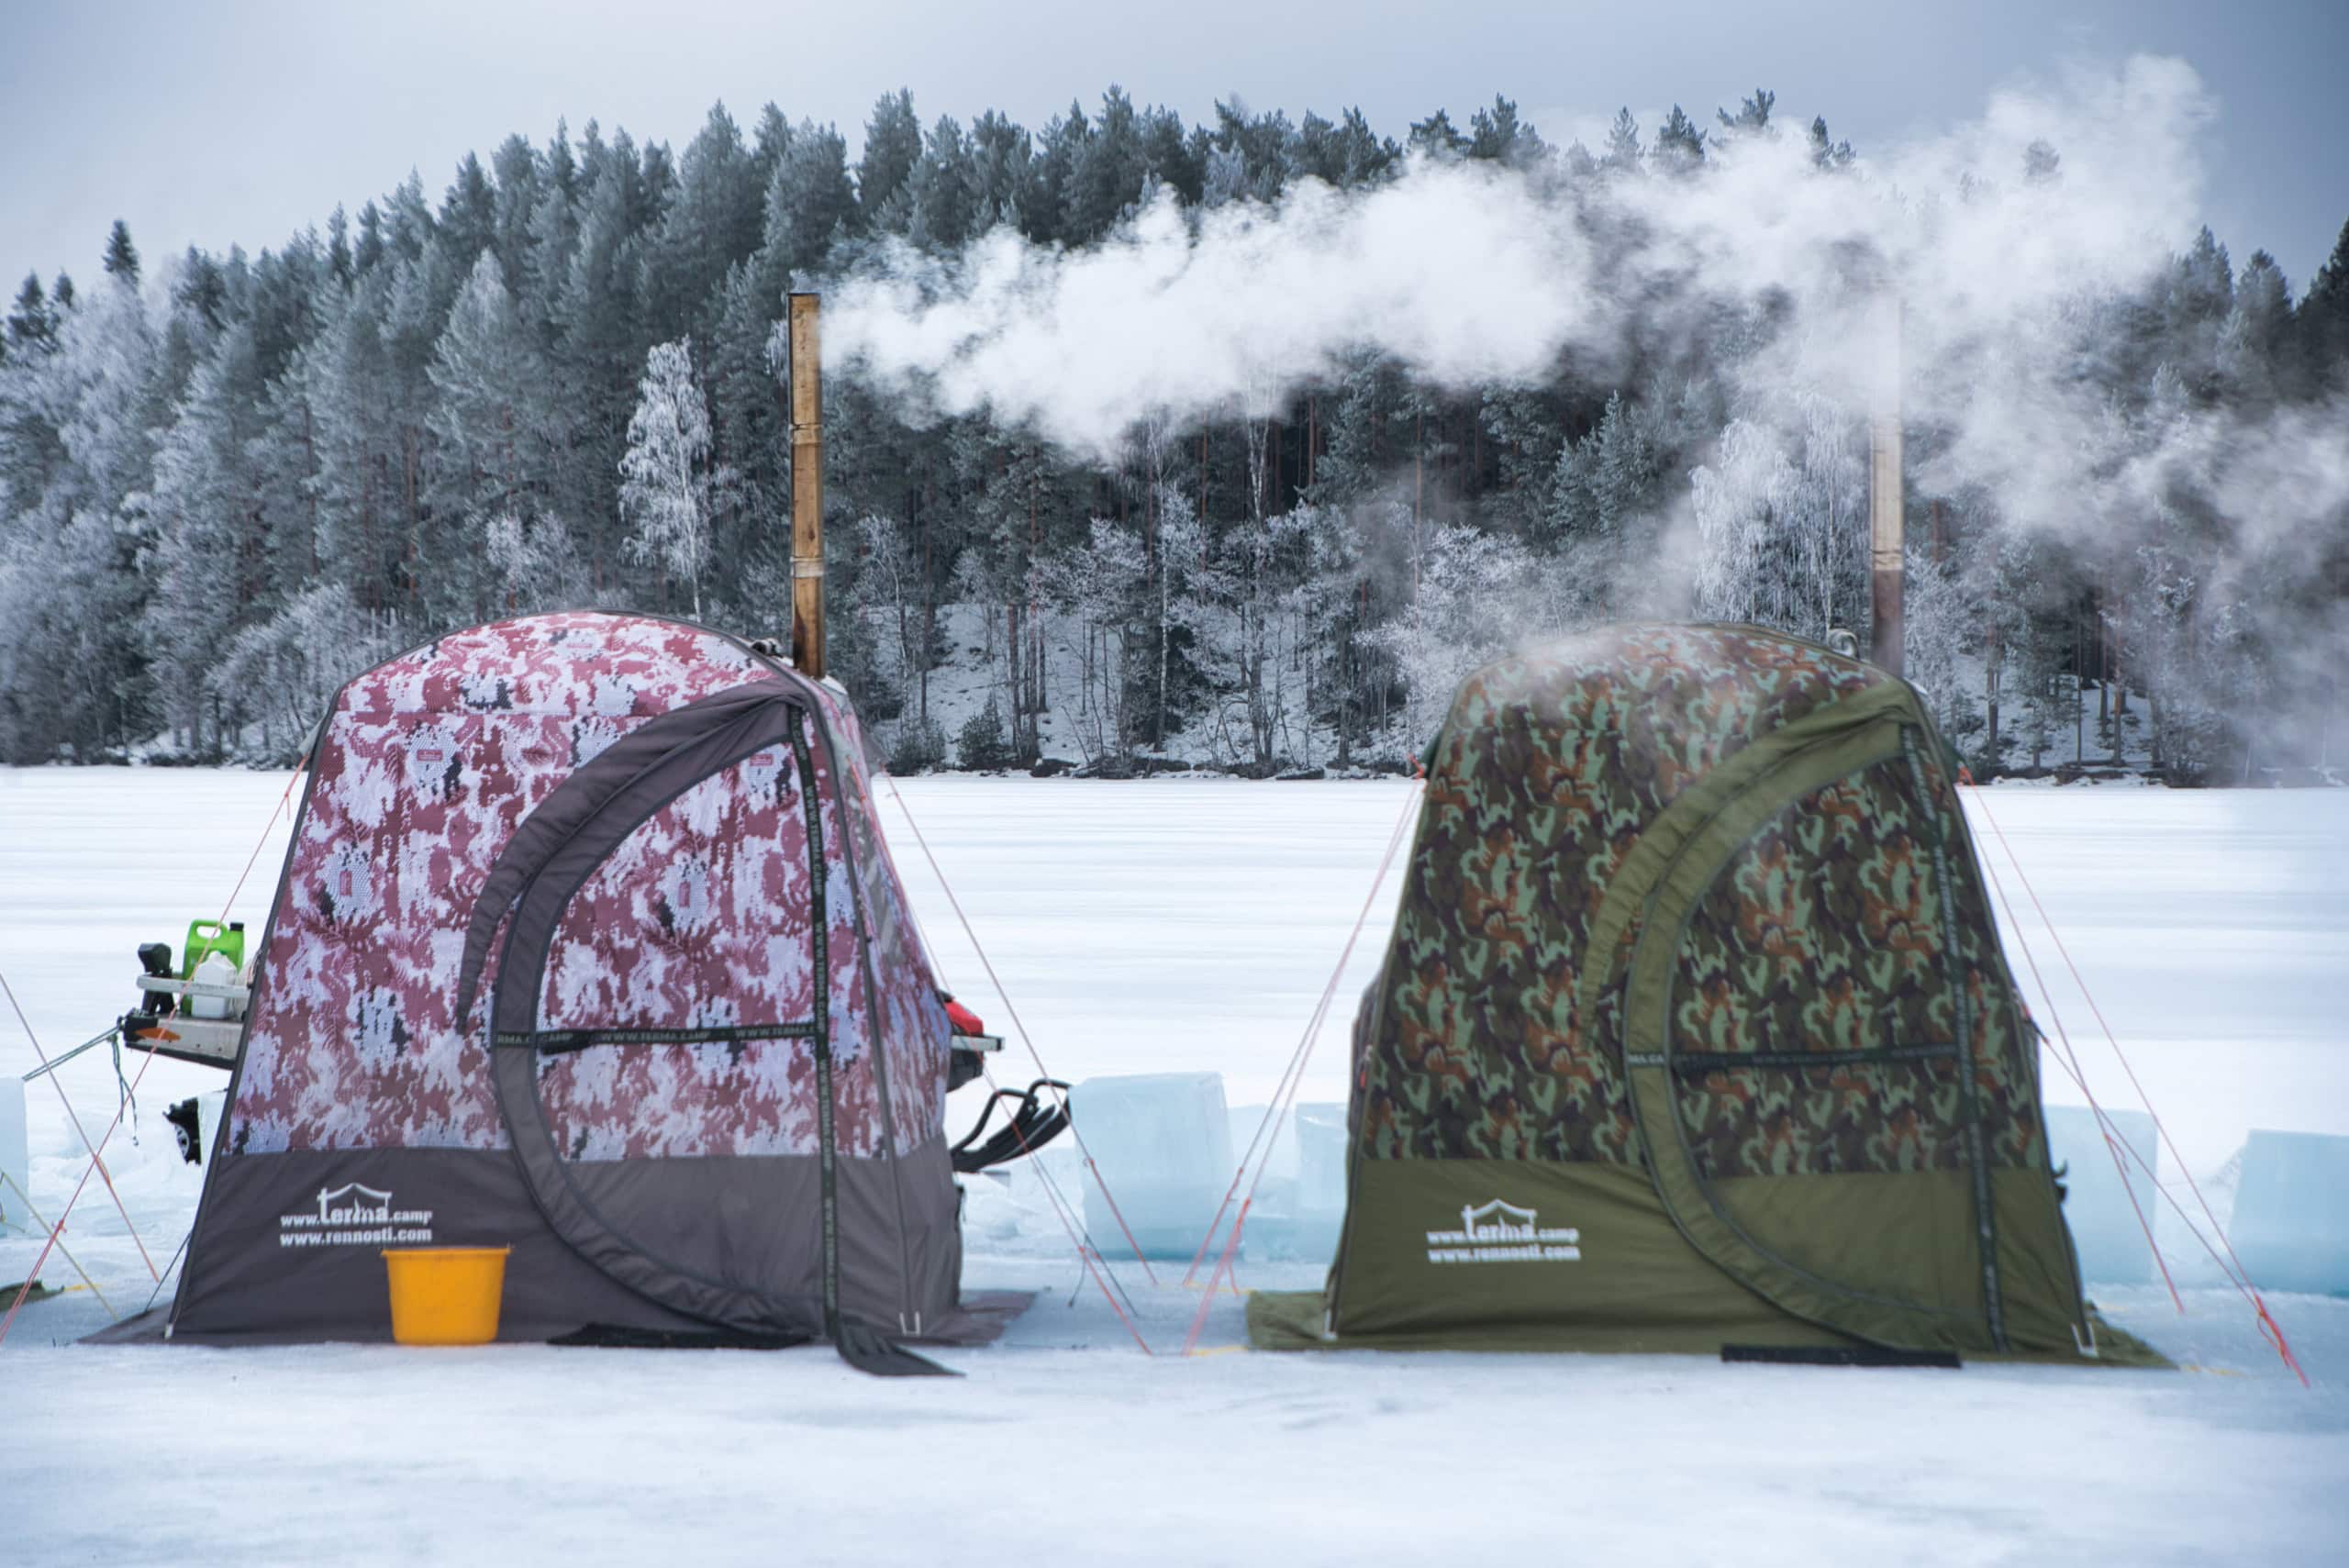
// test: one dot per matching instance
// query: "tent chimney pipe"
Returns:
(1885, 542)
(806, 489)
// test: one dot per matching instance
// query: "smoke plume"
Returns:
(1477, 274)
(2002, 248)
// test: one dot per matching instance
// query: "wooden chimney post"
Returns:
(806, 489)
(1885, 545)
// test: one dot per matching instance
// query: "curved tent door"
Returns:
(1819, 1045)
(676, 946)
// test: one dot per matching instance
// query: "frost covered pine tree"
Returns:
(77, 455)
(486, 423)
(534, 565)
(1941, 614)
(1781, 519)
(664, 474)
(122, 256)
(421, 418)
(200, 513)
(1098, 583)
(1479, 594)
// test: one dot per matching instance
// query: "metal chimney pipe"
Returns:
(1885, 547)
(806, 488)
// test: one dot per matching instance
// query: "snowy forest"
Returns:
(227, 482)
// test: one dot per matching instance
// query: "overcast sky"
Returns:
(218, 124)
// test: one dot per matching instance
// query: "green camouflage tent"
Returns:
(1694, 1030)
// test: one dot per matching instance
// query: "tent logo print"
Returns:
(1499, 1232)
(354, 1215)
(370, 1204)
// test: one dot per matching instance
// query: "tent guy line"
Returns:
(1113, 1289)
(2068, 1059)
(2229, 1266)
(1292, 1075)
(1087, 1251)
(1284, 1096)
(57, 1232)
(1026, 1040)
(129, 1097)
(98, 1162)
(2110, 1037)
(262, 842)
(66, 1100)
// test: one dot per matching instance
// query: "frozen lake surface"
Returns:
(1190, 925)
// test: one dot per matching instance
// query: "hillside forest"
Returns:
(229, 481)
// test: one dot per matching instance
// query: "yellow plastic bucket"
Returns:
(445, 1295)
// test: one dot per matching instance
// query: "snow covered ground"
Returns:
(1188, 924)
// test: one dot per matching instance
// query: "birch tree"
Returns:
(664, 475)
(1781, 520)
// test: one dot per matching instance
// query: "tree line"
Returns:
(228, 483)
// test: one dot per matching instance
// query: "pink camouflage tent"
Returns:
(588, 943)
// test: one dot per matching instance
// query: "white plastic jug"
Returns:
(214, 969)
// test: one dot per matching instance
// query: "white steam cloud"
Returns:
(1470, 273)
(1460, 270)
(2006, 242)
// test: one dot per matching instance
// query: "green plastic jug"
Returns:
(206, 938)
